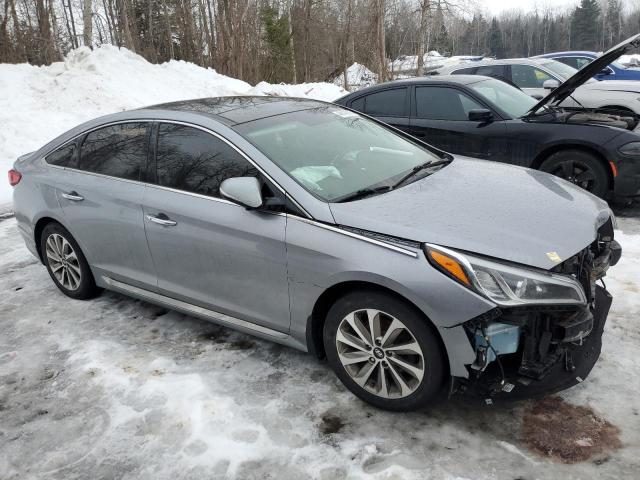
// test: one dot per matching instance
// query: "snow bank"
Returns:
(358, 76)
(39, 103)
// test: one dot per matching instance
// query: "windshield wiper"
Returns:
(419, 168)
(364, 192)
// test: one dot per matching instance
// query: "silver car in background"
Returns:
(413, 272)
(540, 76)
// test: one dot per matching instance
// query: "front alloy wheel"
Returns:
(380, 353)
(384, 350)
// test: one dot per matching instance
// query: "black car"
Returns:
(487, 118)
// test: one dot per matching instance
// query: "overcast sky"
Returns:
(497, 6)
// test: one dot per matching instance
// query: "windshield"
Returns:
(562, 70)
(333, 152)
(511, 100)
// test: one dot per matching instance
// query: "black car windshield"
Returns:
(511, 100)
(333, 152)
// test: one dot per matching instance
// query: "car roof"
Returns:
(568, 53)
(439, 79)
(239, 109)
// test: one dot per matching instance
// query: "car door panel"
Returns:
(450, 130)
(104, 212)
(220, 255)
(207, 250)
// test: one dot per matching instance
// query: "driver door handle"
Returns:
(162, 219)
(73, 196)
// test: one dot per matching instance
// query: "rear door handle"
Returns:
(162, 219)
(73, 196)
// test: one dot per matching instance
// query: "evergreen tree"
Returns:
(585, 26)
(278, 64)
(496, 48)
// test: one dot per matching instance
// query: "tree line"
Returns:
(302, 40)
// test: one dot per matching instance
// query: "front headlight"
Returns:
(631, 149)
(504, 284)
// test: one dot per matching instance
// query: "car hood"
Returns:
(502, 211)
(581, 76)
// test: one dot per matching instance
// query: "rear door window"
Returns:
(63, 156)
(117, 150)
(527, 76)
(195, 161)
(495, 71)
(388, 103)
(444, 103)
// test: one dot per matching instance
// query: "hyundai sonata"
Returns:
(415, 273)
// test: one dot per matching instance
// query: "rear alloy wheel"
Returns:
(384, 351)
(580, 168)
(66, 264)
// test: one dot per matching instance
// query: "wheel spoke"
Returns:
(349, 358)
(364, 374)
(567, 168)
(374, 324)
(382, 381)
(74, 268)
(392, 332)
(73, 275)
(414, 371)
(411, 348)
(359, 328)
(55, 268)
(404, 388)
(585, 176)
(350, 340)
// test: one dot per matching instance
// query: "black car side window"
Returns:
(444, 103)
(193, 160)
(388, 103)
(117, 151)
(63, 157)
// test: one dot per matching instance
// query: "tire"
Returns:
(414, 330)
(66, 264)
(580, 168)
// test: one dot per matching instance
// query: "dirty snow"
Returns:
(118, 388)
(39, 103)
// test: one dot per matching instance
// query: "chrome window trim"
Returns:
(379, 243)
(190, 308)
(176, 122)
(192, 194)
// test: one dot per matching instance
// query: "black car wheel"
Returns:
(384, 351)
(66, 263)
(580, 168)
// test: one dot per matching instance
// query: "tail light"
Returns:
(14, 177)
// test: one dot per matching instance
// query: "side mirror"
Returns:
(480, 115)
(605, 71)
(242, 190)
(537, 96)
(550, 84)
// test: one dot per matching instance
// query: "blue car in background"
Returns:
(614, 71)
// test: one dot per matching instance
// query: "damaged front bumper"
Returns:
(558, 349)
(525, 351)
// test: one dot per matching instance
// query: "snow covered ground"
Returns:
(118, 388)
(39, 103)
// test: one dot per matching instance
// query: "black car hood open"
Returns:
(503, 211)
(581, 76)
